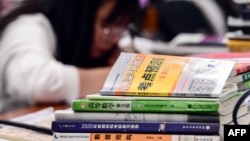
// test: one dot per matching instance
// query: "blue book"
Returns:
(135, 127)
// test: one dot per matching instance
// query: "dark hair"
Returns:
(73, 24)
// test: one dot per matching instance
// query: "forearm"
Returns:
(92, 80)
(40, 81)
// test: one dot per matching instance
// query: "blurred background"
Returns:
(171, 23)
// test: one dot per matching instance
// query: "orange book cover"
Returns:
(165, 75)
(131, 137)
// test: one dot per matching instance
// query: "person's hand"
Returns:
(114, 56)
(92, 80)
(117, 52)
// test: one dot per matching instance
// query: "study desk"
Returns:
(22, 134)
(35, 108)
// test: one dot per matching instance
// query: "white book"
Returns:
(122, 116)
(98, 96)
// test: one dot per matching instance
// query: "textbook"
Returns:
(160, 106)
(242, 60)
(165, 75)
(125, 116)
(225, 104)
(238, 45)
(131, 137)
(226, 118)
(197, 128)
(240, 77)
(242, 86)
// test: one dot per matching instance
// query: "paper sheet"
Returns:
(43, 117)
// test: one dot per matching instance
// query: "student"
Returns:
(59, 50)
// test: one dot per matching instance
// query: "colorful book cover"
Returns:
(132, 137)
(160, 106)
(241, 58)
(197, 128)
(124, 116)
(163, 75)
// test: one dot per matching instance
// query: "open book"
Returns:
(164, 75)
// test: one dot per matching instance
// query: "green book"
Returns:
(160, 106)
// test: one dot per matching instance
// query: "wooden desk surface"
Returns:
(20, 134)
(31, 109)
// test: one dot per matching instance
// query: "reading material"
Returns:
(198, 128)
(163, 75)
(42, 118)
(62, 115)
(226, 103)
(132, 137)
(160, 106)
(240, 77)
(241, 58)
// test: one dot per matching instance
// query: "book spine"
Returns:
(118, 116)
(172, 106)
(136, 127)
(159, 94)
(240, 78)
(241, 68)
(246, 76)
(243, 85)
(132, 137)
(234, 72)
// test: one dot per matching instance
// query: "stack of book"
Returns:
(154, 97)
(239, 76)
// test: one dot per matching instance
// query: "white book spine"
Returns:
(111, 116)
(70, 115)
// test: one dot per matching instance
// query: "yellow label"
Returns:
(152, 73)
